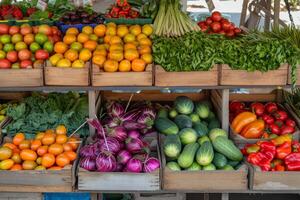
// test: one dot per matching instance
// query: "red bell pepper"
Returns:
(268, 118)
(235, 106)
(290, 122)
(287, 130)
(258, 108)
(133, 14)
(123, 14)
(121, 3)
(294, 166)
(292, 158)
(268, 148)
(279, 168)
(283, 150)
(271, 107)
(126, 7)
(254, 148)
(296, 146)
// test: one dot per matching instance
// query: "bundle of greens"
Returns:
(41, 112)
(293, 100)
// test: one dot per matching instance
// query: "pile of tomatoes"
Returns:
(51, 149)
(218, 25)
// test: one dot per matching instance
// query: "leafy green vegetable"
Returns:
(39, 112)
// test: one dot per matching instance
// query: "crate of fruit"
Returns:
(256, 117)
(46, 163)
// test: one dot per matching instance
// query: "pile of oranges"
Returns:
(123, 48)
(51, 150)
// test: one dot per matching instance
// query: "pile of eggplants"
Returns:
(119, 144)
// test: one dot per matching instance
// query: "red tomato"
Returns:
(202, 23)
(24, 54)
(41, 54)
(4, 28)
(232, 27)
(204, 28)
(4, 64)
(14, 29)
(12, 56)
(216, 16)
(226, 25)
(222, 32)
(26, 64)
(216, 27)
(209, 20)
(230, 33)
(237, 31)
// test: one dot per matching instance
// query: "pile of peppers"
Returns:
(279, 154)
(122, 9)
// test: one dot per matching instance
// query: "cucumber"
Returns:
(203, 139)
(194, 167)
(186, 158)
(226, 147)
(211, 116)
(219, 160)
(209, 167)
(195, 117)
(172, 146)
(163, 113)
(184, 105)
(205, 154)
(165, 126)
(202, 110)
(188, 136)
(205, 123)
(214, 123)
(227, 168)
(216, 132)
(200, 128)
(233, 163)
(183, 121)
(173, 166)
(173, 113)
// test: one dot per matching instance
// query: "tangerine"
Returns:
(62, 160)
(18, 138)
(131, 54)
(99, 60)
(48, 160)
(72, 30)
(55, 149)
(42, 150)
(71, 55)
(90, 45)
(111, 66)
(69, 39)
(125, 66)
(35, 144)
(100, 30)
(61, 130)
(61, 139)
(60, 47)
(29, 165)
(28, 154)
(138, 65)
(82, 38)
(85, 55)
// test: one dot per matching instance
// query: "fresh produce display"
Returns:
(197, 51)
(125, 48)
(120, 144)
(82, 16)
(279, 154)
(150, 9)
(293, 99)
(258, 120)
(194, 140)
(122, 9)
(26, 46)
(3, 108)
(171, 21)
(42, 112)
(217, 24)
(49, 150)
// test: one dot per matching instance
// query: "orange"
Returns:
(61, 130)
(114, 47)
(138, 65)
(61, 139)
(131, 54)
(50, 131)
(42, 150)
(71, 55)
(72, 30)
(82, 38)
(16, 158)
(100, 52)
(74, 142)
(111, 66)
(29, 165)
(69, 39)
(99, 60)
(60, 47)
(87, 30)
(62, 160)
(28, 154)
(129, 38)
(48, 160)
(71, 155)
(129, 46)
(6, 164)
(39, 160)
(25, 144)
(147, 29)
(55, 149)
(125, 66)
(135, 30)
(147, 58)
(35, 144)
(63, 63)
(107, 39)
(16, 167)
(55, 168)
(116, 55)
(115, 40)
(90, 45)
(110, 30)
(10, 145)
(141, 36)
(18, 138)
(67, 147)
(39, 135)
(144, 49)
(100, 30)
(85, 55)
(122, 31)
(28, 38)
(111, 24)
(145, 41)
(101, 46)
(49, 138)
(5, 153)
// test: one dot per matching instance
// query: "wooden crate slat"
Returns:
(21, 77)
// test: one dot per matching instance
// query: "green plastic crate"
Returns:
(140, 21)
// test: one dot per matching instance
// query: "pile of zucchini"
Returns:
(194, 140)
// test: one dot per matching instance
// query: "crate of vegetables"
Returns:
(46, 163)
(196, 152)
(260, 117)
(125, 59)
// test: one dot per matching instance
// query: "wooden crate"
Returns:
(20, 196)
(275, 96)
(22, 77)
(67, 76)
(160, 196)
(272, 181)
(244, 78)
(101, 78)
(297, 74)
(195, 78)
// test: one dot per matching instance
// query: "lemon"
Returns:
(147, 29)
(78, 64)
(129, 38)
(55, 58)
(64, 63)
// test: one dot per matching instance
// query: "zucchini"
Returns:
(173, 166)
(173, 113)
(200, 128)
(186, 158)
(194, 167)
(219, 160)
(209, 167)
(183, 121)
(214, 123)
(172, 146)
(216, 132)
(188, 136)
(226, 147)
(184, 105)
(165, 126)
(205, 154)
(203, 139)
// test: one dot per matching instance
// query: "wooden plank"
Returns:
(21, 77)
(92, 109)
(159, 196)
(267, 15)
(101, 78)
(276, 13)
(195, 78)
(20, 196)
(244, 78)
(252, 97)
(244, 13)
(225, 109)
(67, 76)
